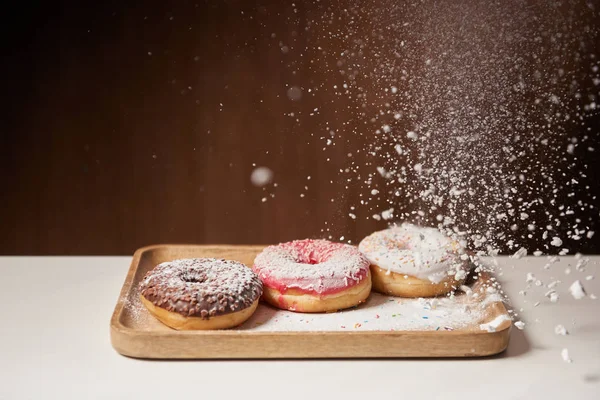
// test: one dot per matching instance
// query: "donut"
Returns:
(201, 293)
(313, 276)
(414, 261)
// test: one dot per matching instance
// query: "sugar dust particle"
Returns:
(353, 216)
(386, 128)
(264, 199)
(261, 176)
(530, 277)
(522, 252)
(394, 89)
(577, 290)
(524, 215)
(565, 356)
(374, 192)
(556, 242)
(460, 275)
(520, 325)
(294, 93)
(553, 284)
(412, 135)
(560, 330)
(387, 214)
(553, 296)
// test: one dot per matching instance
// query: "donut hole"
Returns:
(309, 259)
(313, 261)
(192, 277)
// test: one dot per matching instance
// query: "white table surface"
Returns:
(55, 344)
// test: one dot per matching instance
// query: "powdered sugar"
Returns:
(489, 135)
(261, 176)
(565, 356)
(425, 253)
(383, 313)
(520, 325)
(201, 286)
(560, 330)
(464, 310)
(522, 252)
(378, 313)
(577, 290)
(494, 324)
(317, 266)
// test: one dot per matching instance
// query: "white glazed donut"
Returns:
(414, 261)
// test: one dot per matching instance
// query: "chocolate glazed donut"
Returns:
(201, 293)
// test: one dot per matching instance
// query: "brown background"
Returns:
(108, 148)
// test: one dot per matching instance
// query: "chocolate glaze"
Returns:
(201, 287)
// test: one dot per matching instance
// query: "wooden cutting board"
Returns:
(382, 327)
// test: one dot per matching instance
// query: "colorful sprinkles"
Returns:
(381, 313)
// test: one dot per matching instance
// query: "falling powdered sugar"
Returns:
(560, 330)
(577, 290)
(565, 356)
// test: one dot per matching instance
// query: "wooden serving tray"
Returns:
(273, 333)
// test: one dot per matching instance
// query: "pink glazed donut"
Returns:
(313, 276)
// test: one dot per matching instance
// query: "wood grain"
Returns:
(150, 342)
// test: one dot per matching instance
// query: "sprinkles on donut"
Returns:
(201, 293)
(313, 275)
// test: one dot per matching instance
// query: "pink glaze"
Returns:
(311, 266)
(283, 303)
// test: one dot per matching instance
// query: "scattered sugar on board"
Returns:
(493, 325)
(379, 313)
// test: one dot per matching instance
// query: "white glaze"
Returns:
(425, 253)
